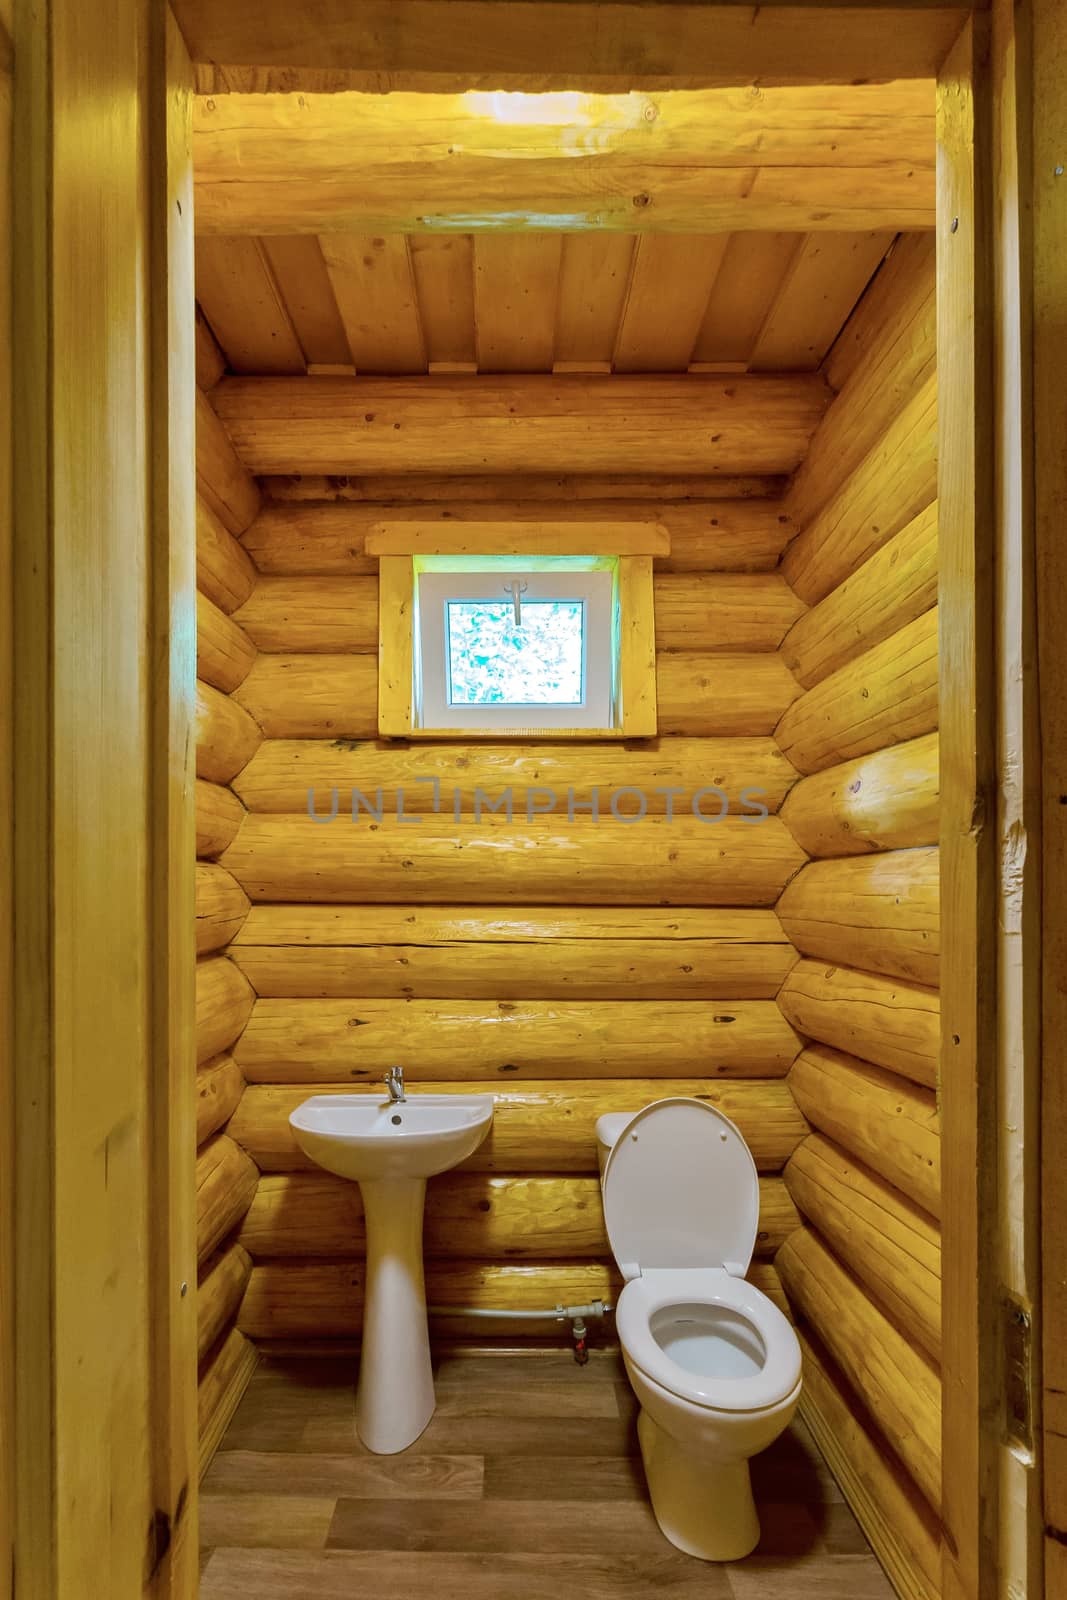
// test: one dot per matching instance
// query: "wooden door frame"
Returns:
(1002, 345)
(101, 1479)
(1048, 189)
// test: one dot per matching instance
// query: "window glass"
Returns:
(538, 660)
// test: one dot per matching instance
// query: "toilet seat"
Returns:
(680, 1190)
(681, 1206)
(666, 1290)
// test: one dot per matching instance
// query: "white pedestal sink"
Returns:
(390, 1149)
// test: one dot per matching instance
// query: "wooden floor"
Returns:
(527, 1485)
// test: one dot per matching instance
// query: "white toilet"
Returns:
(715, 1366)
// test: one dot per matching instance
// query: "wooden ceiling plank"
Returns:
(375, 293)
(593, 280)
(443, 265)
(718, 161)
(243, 307)
(304, 284)
(753, 269)
(419, 44)
(828, 275)
(516, 290)
(534, 424)
(672, 280)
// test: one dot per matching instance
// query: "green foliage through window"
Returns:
(493, 661)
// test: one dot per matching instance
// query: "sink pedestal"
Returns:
(394, 1397)
(390, 1149)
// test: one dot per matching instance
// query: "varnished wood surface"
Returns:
(527, 1481)
(407, 44)
(539, 423)
(350, 166)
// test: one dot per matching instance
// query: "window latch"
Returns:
(516, 591)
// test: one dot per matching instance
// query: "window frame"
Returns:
(407, 549)
(436, 588)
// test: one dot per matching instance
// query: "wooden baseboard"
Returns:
(903, 1530)
(224, 1380)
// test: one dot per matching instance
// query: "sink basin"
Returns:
(390, 1149)
(361, 1137)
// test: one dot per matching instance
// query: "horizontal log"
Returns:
(224, 569)
(221, 907)
(396, 44)
(707, 695)
(320, 615)
(222, 1283)
(226, 735)
(469, 1216)
(226, 1180)
(223, 1004)
(892, 1126)
(339, 615)
(896, 479)
(324, 1299)
(327, 540)
(885, 801)
(903, 1531)
(224, 652)
(283, 771)
(885, 696)
(421, 489)
(896, 1381)
(219, 1086)
(336, 696)
(517, 925)
(224, 1378)
(895, 587)
(886, 352)
(313, 697)
(880, 913)
(450, 952)
(887, 1021)
(334, 1041)
(653, 862)
(884, 1240)
(544, 1127)
(538, 423)
(218, 817)
(210, 361)
(708, 160)
(222, 481)
(733, 611)
(896, 312)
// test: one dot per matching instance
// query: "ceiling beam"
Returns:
(720, 160)
(384, 45)
(540, 424)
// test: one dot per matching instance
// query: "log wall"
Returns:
(785, 970)
(227, 734)
(863, 1275)
(573, 966)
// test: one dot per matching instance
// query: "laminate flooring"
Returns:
(526, 1485)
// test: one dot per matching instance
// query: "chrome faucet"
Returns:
(394, 1082)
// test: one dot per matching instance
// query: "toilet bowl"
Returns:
(714, 1365)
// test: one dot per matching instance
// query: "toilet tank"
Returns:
(608, 1128)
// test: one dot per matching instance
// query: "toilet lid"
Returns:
(681, 1190)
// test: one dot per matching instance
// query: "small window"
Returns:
(548, 640)
(510, 649)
